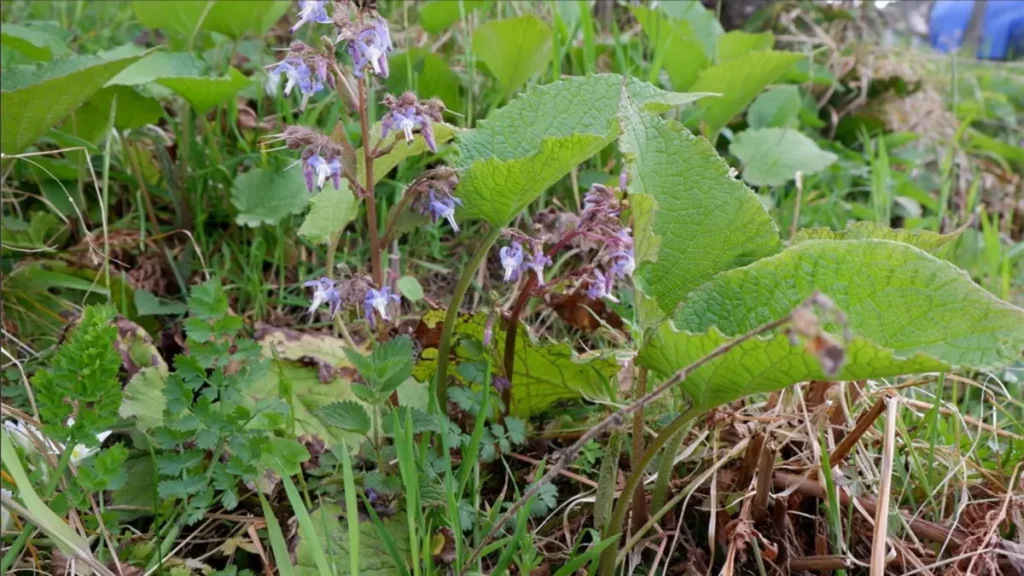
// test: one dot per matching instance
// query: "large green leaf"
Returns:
(36, 99)
(773, 156)
(543, 373)
(133, 111)
(701, 20)
(179, 16)
(236, 18)
(702, 220)
(265, 196)
(514, 50)
(436, 16)
(676, 46)
(909, 312)
(528, 145)
(739, 81)
(332, 532)
(36, 44)
(924, 239)
(186, 75)
(329, 212)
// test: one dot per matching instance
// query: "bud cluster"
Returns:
(408, 114)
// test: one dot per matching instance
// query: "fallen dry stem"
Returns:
(616, 419)
(881, 532)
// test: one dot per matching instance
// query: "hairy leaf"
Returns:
(514, 50)
(773, 156)
(924, 239)
(702, 220)
(528, 145)
(909, 312)
(387, 367)
(348, 415)
(36, 99)
(268, 196)
(739, 81)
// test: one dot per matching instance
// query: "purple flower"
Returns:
(512, 261)
(324, 291)
(601, 287)
(623, 179)
(298, 74)
(317, 166)
(370, 48)
(378, 300)
(501, 384)
(407, 121)
(537, 262)
(623, 263)
(443, 207)
(312, 11)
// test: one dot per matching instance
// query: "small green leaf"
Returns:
(347, 415)
(436, 16)
(775, 108)
(186, 75)
(284, 455)
(410, 288)
(387, 367)
(148, 304)
(421, 421)
(179, 16)
(514, 50)
(206, 93)
(208, 300)
(35, 100)
(738, 81)
(331, 525)
(924, 239)
(268, 196)
(681, 52)
(237, 18)
(700, 19)
(329, 212)
(159, 65)
(773, 156)
(105, 470)
(144, 399)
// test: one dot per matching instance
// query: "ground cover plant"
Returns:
(452, 287)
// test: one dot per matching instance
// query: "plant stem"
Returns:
(639, 501)
(371, 200)
(15, 550)
(443, 349)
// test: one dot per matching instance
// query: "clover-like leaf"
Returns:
(702, 220)
(347, 415)
(36, 99)
(773, 156)
(909, 312)
(265, 196)
(528, 145)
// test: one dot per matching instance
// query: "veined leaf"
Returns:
(773, 156)
(514, 50)
(909, 311)
(386, 367)
(348, 415)
(924, 239)
(739, 81)
(702, 220)
(543, 373)
(375, 554)
(267, 196)
(528, 145)
(329, 212)
(36, 99)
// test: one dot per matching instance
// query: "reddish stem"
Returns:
(371, 200)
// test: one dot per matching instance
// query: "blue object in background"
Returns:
(1002, 27)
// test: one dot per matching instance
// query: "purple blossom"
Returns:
(538, 260)
(512, 261)
(408, 120)
(623, 263)
(601, 286)
(623, 177)
(324, 291)
(443, 207)
(501, 384)
(312, 11)
(370, 48)
(317, 166)
(298, 74)
(378, 300)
